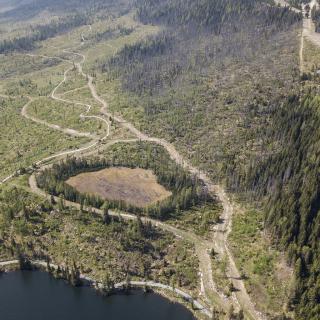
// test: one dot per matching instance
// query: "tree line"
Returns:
(289, 179)
(216, 15)
(186, 190)
(43, 32)
(315, 16)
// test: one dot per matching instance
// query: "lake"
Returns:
(35, 295)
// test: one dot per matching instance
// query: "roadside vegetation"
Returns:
(24, 142)
(39, 229)
(213, 99)
(65, 115)
(221, 81)
(267, 276)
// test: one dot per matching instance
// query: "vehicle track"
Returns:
(71, 132)
(241, 297)
(86, 147)
(203, 247)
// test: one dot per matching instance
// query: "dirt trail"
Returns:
(284, 3)
(71, 132)
(96, 142)
(241, 297)
(308, 28)
(203, 247)
(73, 90)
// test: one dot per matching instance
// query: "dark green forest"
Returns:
(283, 175)
(186, 190)
(43, 32)
(72, 14)
(290, 179)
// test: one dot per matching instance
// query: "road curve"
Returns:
(87, 147)
(203, 247)
(241, 296)
(67, 131)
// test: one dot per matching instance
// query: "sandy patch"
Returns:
(137, 187)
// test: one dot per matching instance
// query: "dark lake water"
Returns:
(34, 295)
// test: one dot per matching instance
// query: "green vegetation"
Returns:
(289, 177)
(311, 61)
(105, 248)
(186, 191)
(74, 80)
(64, 115)
(193, 86)
(265, 272)
(36, 228)
(24, 142)
(188, 86)
(219, 79)
(200, 219)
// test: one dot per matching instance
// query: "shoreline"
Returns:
(173, 295)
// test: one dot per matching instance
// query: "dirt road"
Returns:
(71, 132)
(219, 243)
(203, 247)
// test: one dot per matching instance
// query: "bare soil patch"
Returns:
(138, 187)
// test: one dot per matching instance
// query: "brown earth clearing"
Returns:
(137, 186)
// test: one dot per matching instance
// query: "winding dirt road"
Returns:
(308, 28)
(240, 298)
(71, 132)
(96, 142)
(203, 247)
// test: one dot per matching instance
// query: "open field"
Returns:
(137, 187)
(24, 75)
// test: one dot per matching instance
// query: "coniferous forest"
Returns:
(186, 190)
(231, 86)
(284, 179)
(289, 177)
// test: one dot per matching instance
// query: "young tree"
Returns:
(105, 214)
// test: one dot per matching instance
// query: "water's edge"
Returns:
(172, 295)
